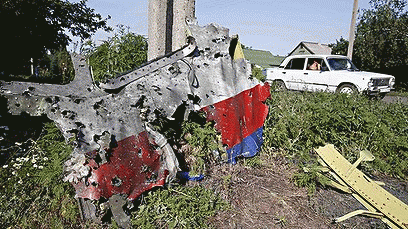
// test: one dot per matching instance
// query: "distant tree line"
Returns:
(381, 42)
(34, 32)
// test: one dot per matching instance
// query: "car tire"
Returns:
(279, 85)
(347, 89)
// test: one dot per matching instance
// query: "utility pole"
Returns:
(352, 30)
(167, 25)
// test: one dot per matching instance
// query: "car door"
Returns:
(293, 72)
(316, 76)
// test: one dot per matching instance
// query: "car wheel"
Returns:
(279, 86)
(347, 89)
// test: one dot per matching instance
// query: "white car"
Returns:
(332, 73)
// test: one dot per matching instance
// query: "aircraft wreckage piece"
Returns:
(228, 95)
(117, 156)
(379, 203)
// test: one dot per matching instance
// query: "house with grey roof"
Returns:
(262, 58)
(305, 48)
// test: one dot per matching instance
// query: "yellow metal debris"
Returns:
(378, 201)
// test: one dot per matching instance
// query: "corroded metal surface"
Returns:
(150, 67)
(115, 153)
(133, 168)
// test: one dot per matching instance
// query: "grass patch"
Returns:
(178, 207)
(401, 93)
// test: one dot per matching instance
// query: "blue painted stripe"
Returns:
(247, 148)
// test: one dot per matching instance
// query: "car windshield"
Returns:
(341, 64)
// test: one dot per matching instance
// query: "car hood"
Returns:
(368, 75)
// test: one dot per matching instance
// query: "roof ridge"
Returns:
(316, 43)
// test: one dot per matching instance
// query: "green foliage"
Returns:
(253, 162)
(257, 74)
(310, 178)
(340, 47)
(178, 207)
(61, 66)
(56, 67)
(299, 122)
(32, 193)
(381, 40)
(204, 140)
(123, 52)
(36, 26)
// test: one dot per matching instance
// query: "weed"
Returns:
(281, 220)
(121, 53)
(227, 180)
(310, 178)
(178, 207)
(205, 142)
(253, 162)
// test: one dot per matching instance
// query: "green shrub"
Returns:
(123, 52)
(257, 74)
(309, 177)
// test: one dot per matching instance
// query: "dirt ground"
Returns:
(266, 197)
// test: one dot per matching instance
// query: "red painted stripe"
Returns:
(240, 116)
(133, 163)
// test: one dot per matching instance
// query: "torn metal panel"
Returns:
(151, 66)
(219, 75)
(117, 203)
(133, 168)
(228, 94)
(240, 119)
(163, 90)
(377, 200)
(103, 125)
(115, 154)
(81, 87)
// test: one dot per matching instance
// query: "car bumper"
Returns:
(378, 90)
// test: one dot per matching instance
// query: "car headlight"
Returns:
(392, 82)
(371, 83)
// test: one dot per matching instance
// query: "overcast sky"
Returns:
(274, 25)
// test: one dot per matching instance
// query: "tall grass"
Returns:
(32, 193)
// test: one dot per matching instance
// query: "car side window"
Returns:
(316, 64)
(296, 63)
